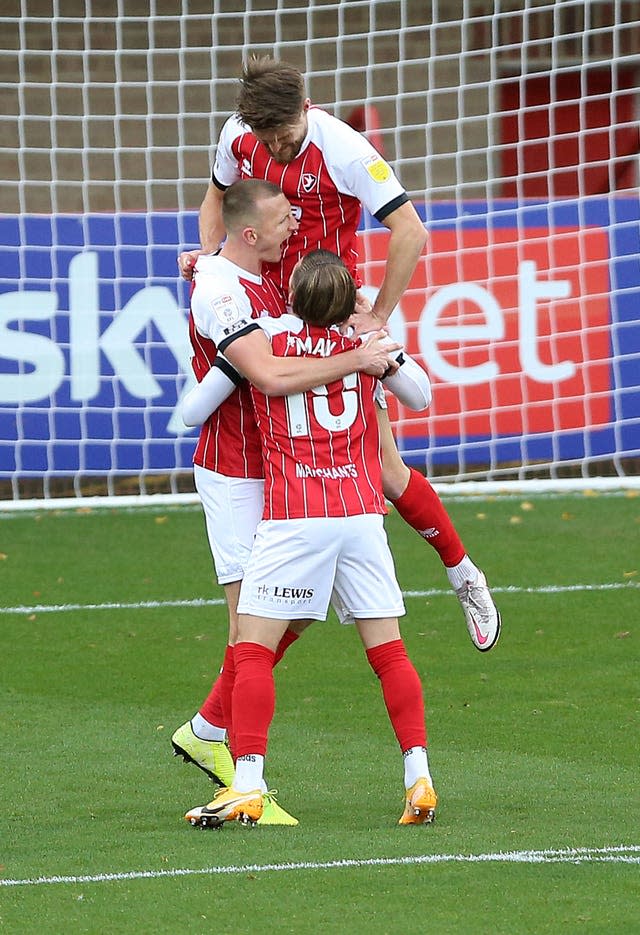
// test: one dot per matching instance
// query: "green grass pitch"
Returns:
(112, 628)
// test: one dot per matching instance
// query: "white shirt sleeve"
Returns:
(219, 305)
(206, 396)
(410, 384)
(225, 167)
(216, 385)
(355, 166)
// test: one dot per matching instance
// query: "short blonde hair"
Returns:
(240, 202)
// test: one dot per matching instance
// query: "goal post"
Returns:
(514, 127)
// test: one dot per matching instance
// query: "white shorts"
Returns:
(232, 510)
(299, 566)
(380, 396)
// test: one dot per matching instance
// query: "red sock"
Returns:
(216, 708)
(421, 507)
(227, 680)
(254, 698)
(288, 637)
(212, 708)
(402, 692)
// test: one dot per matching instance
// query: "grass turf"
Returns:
(531, 745)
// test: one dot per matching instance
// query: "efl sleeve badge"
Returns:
(377, 168)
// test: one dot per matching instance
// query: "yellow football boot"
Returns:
(420, 804)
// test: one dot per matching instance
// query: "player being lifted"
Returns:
(328, 172)
(323, 537)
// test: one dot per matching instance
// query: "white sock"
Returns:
(463, 571)
(416, 766)
(248, 775)
(206, 731)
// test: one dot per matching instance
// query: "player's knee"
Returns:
(395, 477)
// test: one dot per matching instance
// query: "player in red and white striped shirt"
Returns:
(229, 294)
(322, 535)
(328, 171)
(321, 455)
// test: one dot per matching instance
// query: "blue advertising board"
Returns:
(94, 352)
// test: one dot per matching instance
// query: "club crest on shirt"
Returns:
(309, 182)
(377, 168)
(225, 309)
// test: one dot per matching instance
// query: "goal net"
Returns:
(514, 127)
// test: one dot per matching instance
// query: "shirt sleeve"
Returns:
(358, 169)
(284, 324)
(410, 384)
(225, 167)
(221, 313)
(205, 397)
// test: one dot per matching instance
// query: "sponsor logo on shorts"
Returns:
(280, 594)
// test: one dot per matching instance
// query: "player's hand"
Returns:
(363, 305)
(375, 354)
(360, 322)
(364, 320)
(187, 262)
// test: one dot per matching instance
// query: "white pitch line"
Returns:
(573, 855)
(218, 602)
(114, 605)
(538, 589)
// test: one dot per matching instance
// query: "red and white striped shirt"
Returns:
(335, 173)
(321, 448)
(225, 301)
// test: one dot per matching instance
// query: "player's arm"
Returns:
(225, 171)
(410, 384)
(251, 354)
(211, 230)
(406, 243)
(359, 170)
(210, 225)
(217, 385)
(222, 379)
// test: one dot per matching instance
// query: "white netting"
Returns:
(514, 128)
